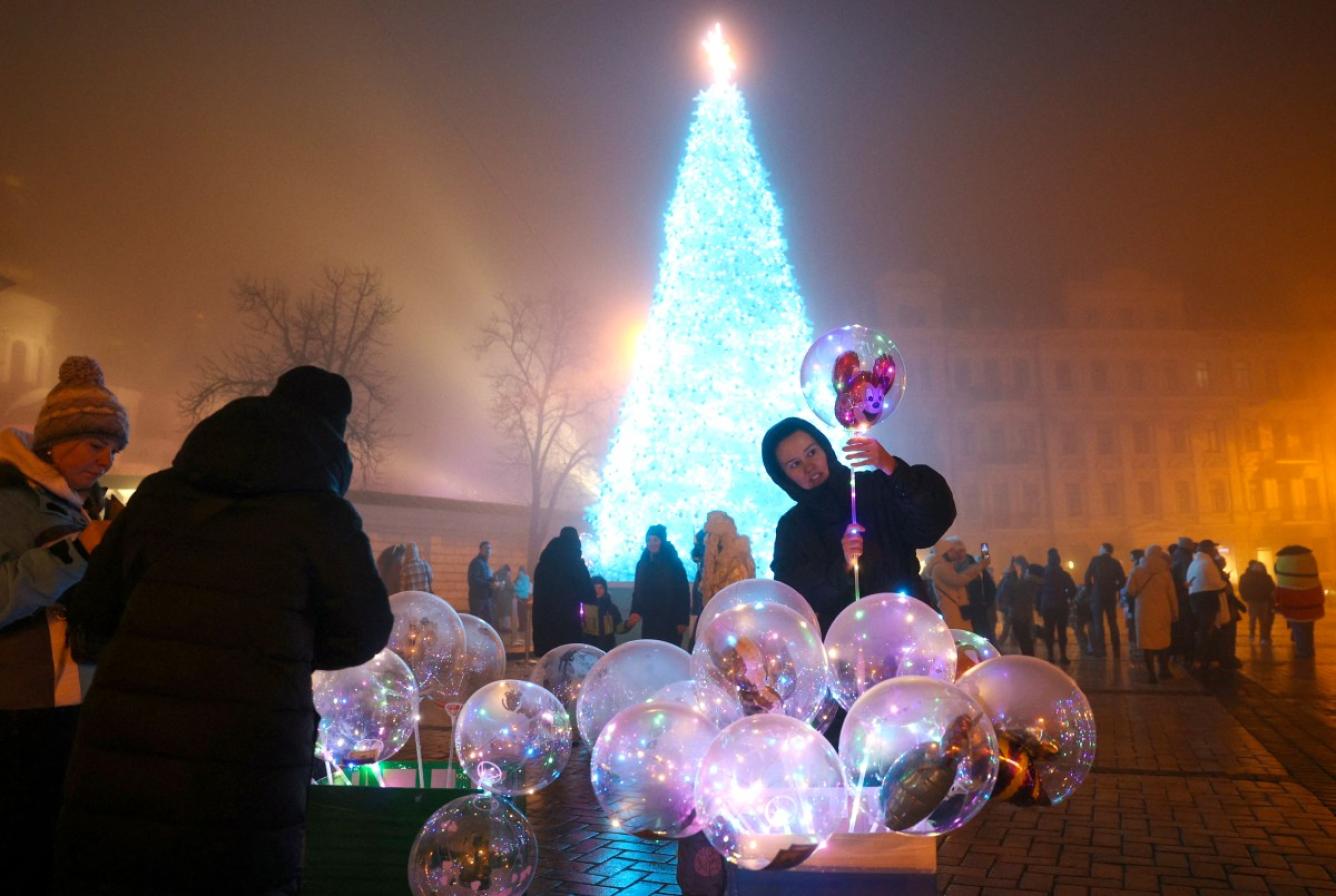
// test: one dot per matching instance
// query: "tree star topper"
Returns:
(720, 53)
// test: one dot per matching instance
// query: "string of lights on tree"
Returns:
(714, 364)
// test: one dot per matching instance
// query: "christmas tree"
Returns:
(717, 363)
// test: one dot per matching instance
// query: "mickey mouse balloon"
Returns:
(853, 377)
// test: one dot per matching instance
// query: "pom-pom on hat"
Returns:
(80, 404)
(325, 394)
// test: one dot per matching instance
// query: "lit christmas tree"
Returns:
(718, 361)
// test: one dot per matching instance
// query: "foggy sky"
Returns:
(150, 155)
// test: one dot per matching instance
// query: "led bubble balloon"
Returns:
(512, 737)
(770, 791)
(427, 635)
(1045, 728)
(751, 591)
(562, 671)
(628, 674)
(853, 377)
(483, 661)
(716, 704)
(971, 650)
(474, 846)
(921, 757)
(644, 766)
(366, 712)
(883, 636)
(767, 655)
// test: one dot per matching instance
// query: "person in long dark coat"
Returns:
(561, 583)
(226, 581)
(661, 601)
(900, 508)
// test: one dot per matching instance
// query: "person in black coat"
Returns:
(1055, 597)
(561, 583)
(226, 581)
(900, 508)
(662, 596)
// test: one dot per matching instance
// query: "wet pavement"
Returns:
(1226, 785)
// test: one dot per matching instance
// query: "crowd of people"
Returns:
(1178, 603)
(229, 577)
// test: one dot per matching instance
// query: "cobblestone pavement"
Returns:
(1215, 787)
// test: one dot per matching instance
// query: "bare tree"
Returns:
(339, 325)
(541, 410)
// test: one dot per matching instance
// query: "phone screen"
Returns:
(983, 549)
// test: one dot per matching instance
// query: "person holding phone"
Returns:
(50, 504)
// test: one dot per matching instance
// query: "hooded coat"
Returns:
(726, 556)
(1155, 599)
(226, 581)
(561, 582)
(662, 595)
(909, 509)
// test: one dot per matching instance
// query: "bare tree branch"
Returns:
(340, 325)
(540, 408)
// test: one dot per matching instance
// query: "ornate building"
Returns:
(1126, 420)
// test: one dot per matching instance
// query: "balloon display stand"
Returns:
(358, 837)
(851, 865)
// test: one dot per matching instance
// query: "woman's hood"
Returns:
(839, 473)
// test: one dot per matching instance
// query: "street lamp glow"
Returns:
(720, 54)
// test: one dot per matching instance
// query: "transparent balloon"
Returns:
(1045, 728)
(971, 650)
(921, 757)
(513, 737)
(366, 712)
(628, 674)
(826, 713)
(473, 845)
(705, 696)
(767, 655)
(427, 635)
(644, 767)
(883, 636)
(483, 661)
(563, 670)
(750, 591)
(853, 377)
(770, 791)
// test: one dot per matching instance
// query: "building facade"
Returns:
(1113, 425)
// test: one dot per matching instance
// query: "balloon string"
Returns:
(417, 740)
(853, 514)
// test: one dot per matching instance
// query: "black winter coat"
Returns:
(223, 584)
(561, 582)
(662, 595)
(912, 508)
(1056, 594)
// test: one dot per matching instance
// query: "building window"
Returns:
(1242, 376)
(1029, 439)
(992, 376)
(1021, 374)
(1202, 375)
(1213, 440)
(1030, 502)
(1099, 375)
(1062, 375)
(1178, 438)
(1113, 498)
(1270, 494)
(1075, 499)
(1183, 496)
(1143, 438)
(1312, 501)
(1252, 436)
(1173, 376)
(1136, 376)
(967, 447)
(1069, 443)
(1254, 494)
(1001, 500)
(1147, 498)
(1105, 439)
(997, 441)
(1219, 497)
(963, 374)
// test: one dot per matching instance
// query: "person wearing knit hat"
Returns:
(49, 501)
(662, 595)
(1299, 595)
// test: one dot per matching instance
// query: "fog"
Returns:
(151, 154)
